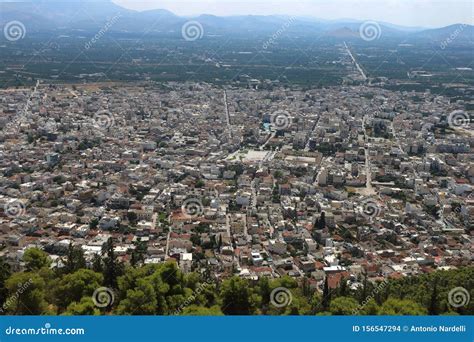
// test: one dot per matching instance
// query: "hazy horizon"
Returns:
(422, 13)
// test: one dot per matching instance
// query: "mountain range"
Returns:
(92, 15)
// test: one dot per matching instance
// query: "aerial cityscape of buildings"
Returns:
(264, 181)
(152, 164)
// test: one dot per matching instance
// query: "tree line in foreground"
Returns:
(108, 287)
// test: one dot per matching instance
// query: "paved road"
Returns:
(355, 62)
(368, 168)
(311, 133)
(272, 135)
(167, 244)
(227, 114)
(227, 224)
(399, 144)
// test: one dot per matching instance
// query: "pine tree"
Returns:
(326, 295)
(236, 297)
(112, 267)
(97, 265)
(343, 290)
(322, 221)
(433, 308)
(75, 259)
(306, 288)
(364, 289)
(138, 254)
(5, 273)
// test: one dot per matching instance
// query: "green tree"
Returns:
(321, 222)
(434, 300)
(264, 290)
(97, 264)
(192, 280)
(94, 223)
(403, 307)
(139, 301)
(326, 300)
(139, 252)
(343, 306)
(26, 294)
(161, 288)
(75, 259)
(132, 217)
(85, 307)
(5, 273)
(236, 297)
(36, 259)
(195, 310)
(316, 303)
(166, 280)
(343, 289)
(112, 267)
(370, 308)
(73, 287)
(129, 280)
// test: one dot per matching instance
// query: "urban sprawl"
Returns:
(256, 181)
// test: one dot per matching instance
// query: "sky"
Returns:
(425, 13)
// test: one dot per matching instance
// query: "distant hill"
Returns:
(457, 32)
(90, 15)
(343, 32)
